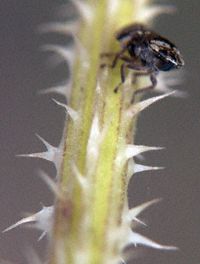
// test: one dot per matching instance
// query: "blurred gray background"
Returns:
(173, 123)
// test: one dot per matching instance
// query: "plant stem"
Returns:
(93, 176)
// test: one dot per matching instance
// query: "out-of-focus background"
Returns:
(174, 123)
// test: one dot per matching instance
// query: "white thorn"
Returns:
(20, 222)
(139, 221)
(41, 220)
(65, 28)
(94, 138)
(50, 183)
(123, 261)
(84, 9)
(138, 107)
(140, 168)
(65, 53)
(131, 151)
(72, 113)
(137, 239)
(134, 212)
(52, 154)
(179, 93)
(136, 168)
(60, 89)
(41, 236)
(149, 12)
(80, 178)
(134, 150)
(153, 11)
(47, 144)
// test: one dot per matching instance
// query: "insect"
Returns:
(145, 52)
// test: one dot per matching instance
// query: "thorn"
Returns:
(21, 222)
(97, 135)
(66, 28)
(139, 221)
(66, 54)
(149, 12)
(134, 150)
(137, 239)
(60, 89)
(52, 154)
(177, 93)
(138, 107)
(51, 184)
(156, 10)
(131, 151)
(140, 168)
(123, 261)
(72, 113)
(134, 212)
(94, 137)
(47, 145)
(42, 220)
(80, 178)
(180, 94)
(63, 28)
(134, 168)
(85, 10)
(41, 236)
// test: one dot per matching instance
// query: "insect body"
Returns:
(146, 52)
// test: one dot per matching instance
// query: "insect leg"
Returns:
(116, 58)
(123, 76)
(123, 67)
(109, 54)
(150, 87)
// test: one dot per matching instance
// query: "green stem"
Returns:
(87, 218)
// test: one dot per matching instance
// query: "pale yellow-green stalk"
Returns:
(92, 222)
(89, 218)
